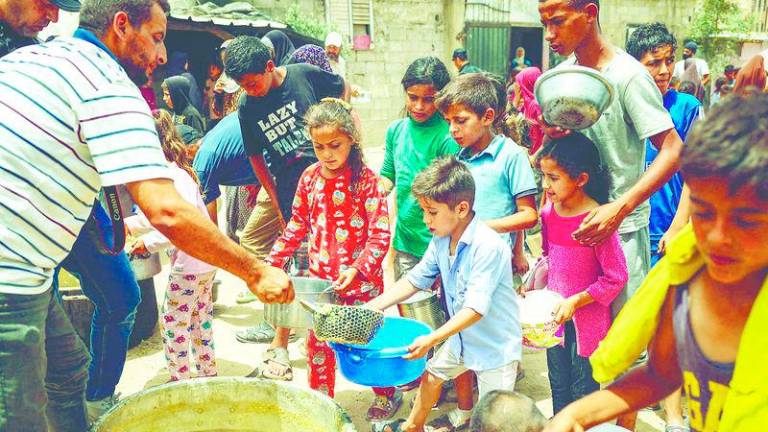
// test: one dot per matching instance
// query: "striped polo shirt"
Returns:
(71, 122)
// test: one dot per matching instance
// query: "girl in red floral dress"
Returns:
(341, 205)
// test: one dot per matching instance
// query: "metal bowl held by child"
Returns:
(424, 306)
(226, 404)
(573, 97)
(540, 331)
(380, 363)
(292, 315)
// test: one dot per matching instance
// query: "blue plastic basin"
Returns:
(380, 363)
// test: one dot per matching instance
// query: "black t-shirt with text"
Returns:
(275, 123)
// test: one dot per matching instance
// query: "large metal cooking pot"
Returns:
(226, 404)
(145, 266)
(573, 97)
(423, 306)
(292, 315)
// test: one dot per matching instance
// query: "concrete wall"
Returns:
(617, 15)
(403, 31)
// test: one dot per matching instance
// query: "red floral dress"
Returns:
(348, 226)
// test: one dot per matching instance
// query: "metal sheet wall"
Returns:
(488, 48)
(509, 12)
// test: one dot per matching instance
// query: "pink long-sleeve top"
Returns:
(601, 271)
(154, 241)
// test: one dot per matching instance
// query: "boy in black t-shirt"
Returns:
(272, 115)
(272, 121)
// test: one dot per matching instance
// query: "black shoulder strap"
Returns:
(118, 229)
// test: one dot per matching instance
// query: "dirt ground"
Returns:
(145, 367)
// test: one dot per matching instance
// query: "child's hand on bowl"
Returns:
(420, 347)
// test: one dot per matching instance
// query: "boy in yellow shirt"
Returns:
(704, 309)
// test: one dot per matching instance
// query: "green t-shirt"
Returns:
(411, 146)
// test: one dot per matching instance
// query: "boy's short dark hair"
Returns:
(731, 144)
(446, 181)
(476, 91)
(459, 53)
(506, 411)
(649, 37)
(246, 55)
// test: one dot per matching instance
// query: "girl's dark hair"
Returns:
(426, 70)
(577, 154)
(338, 113)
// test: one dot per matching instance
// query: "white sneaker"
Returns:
(97, 408)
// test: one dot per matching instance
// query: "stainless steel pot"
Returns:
(423, 306)
(226, 404)
(573, 97)
(292, 315)
(145, 266)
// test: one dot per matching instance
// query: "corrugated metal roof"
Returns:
(240, 14)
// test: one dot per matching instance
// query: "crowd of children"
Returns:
(465, 193)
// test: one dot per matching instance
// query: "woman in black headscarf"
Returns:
(178, 64)
(176, 96)
(282, 45)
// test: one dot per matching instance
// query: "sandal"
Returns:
(274, 357)
(383, 408)
(444, 423)
(245, 296)
(388, 426)
(260, 333)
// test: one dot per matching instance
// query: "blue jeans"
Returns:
(109, 283)
(43, 366)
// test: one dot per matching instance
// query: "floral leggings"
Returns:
(188, 324)
(321, 359)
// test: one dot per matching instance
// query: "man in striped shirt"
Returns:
(72, 121)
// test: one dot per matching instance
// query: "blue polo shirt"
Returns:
(502, 174)
(480, 278)
(221, 159)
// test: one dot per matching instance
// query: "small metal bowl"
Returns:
(573, 97)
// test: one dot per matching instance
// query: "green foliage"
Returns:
(715, 27)
(301, 23)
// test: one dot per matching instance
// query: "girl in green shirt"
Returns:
(411, 144)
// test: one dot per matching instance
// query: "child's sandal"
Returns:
(383, 408)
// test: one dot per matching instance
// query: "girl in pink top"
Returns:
(575, 183)
(188, 306)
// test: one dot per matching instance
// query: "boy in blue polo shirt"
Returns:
(483, 333)
(504, 180)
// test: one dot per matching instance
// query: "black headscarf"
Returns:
(283, 47)
(185, 112)
(177, 65)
